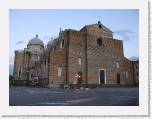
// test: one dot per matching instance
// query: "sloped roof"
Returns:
(98, 25)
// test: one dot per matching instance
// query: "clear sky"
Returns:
(25, 24)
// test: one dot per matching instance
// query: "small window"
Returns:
(62, 44)
(117, 65)
(79, 61)
(53, 49)
(31, 75)
(20, 71)
(59, 71)
(35, 55)
(126, 73)
(99, 42)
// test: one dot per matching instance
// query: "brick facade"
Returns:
(89, 56)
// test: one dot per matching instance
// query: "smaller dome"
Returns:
(36, 41)
(50, 42)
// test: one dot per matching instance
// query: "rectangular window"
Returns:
(59, 71)
(117, 65)
(38, 58)
(79, 61)
(35, 57)
(19, 71)
(126, 74)
(62, 44)
(53, 49)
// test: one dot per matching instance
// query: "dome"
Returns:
(50, 42)
(36, 41)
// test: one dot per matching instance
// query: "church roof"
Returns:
(98, 25)
(36, 41)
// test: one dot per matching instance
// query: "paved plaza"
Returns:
(32, 96)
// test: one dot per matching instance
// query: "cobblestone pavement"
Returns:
(31, 96)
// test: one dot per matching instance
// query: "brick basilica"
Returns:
(90, 56)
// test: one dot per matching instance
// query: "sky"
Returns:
(24, 24)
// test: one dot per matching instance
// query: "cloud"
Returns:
(125, 34)
(20, 42)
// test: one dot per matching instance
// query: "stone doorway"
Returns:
(102, 75)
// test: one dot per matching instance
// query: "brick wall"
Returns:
(18, 64)
(83, 44)
(128, 67)
(104, 57)
(57, 58)
(76, 50)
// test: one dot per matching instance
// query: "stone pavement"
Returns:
(31, 96)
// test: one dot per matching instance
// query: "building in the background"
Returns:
(136, 71)
(90, 56)
(30, 64)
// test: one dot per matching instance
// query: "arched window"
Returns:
(79, 61)
(126, 73)
(62, 44)
(59, 71)
(31, 75)
(20, 71)
(53, 49)
(45, 62)
(99, 42)
(117, 65)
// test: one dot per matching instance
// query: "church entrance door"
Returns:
(102, 77)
